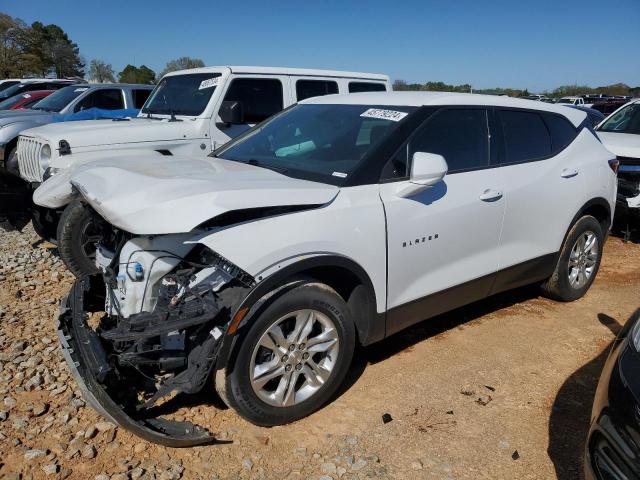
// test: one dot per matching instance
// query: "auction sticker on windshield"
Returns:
(383, 114)
(208, 83)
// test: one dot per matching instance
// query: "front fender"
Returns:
(55, 192)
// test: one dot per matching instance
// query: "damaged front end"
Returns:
(150, 327)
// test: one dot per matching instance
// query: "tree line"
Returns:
(562, 91)
(39, 50)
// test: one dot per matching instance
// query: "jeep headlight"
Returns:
(45, 157)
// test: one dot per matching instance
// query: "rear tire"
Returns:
(578, 262)
(77, 232)
(306, 368)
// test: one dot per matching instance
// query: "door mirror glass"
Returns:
(231, 112)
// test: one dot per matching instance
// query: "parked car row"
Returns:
(253, 225)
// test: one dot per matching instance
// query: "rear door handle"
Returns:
(490, 195)
(569, 172)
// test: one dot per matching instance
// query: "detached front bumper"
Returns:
(88, 363)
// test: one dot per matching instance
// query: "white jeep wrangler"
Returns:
(341, 220)
(190, 112)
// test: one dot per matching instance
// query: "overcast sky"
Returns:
(538, 44)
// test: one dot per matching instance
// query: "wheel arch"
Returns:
(600, 209)
(340, 273)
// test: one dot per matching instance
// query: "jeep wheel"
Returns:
(77, 236)
(293, 358)
(578, 263)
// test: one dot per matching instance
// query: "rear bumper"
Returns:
(89, 366)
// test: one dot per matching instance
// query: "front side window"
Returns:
(526, 137)
(260, 97)
(60, 98)
(626, 120)
(355, 87)
(461, 136)
(105, 99)
(315, 88)
(320, 142)
(186, 94)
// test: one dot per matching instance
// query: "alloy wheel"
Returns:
(294, 358)
(583, 259)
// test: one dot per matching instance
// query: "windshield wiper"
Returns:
(260, 164)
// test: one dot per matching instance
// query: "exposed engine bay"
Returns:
(148, 328)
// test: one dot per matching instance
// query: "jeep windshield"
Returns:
(626, 120)
(318, 142)
(182, 94)
(60, 99)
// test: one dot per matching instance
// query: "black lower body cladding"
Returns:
(111, 365)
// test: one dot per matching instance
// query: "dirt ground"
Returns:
(501, 389)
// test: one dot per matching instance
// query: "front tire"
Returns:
(78, 232)
(578, 263)
(293, 358)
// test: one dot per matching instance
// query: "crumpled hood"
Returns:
(621, 144)
(13, 116)
(90, 133)
(161, 195)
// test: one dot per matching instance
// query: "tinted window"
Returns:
(260, 97)
(461, 136)
(561, 130)
(324, 143)
(525, 136)
(10, 83)
(355, 87)
(187, 94)
(139, 97)
(106, 99)
(315, 88)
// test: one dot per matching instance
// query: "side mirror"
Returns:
(427, 169)
(231, 112)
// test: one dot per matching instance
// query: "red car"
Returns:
(24, 100)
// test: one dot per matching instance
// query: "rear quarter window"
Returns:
(355, 87)
(526, 137)
(562, 131)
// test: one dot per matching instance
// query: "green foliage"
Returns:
(142, 74)
(565, 90)
(182, 63)
(101, 72)
(37, 50)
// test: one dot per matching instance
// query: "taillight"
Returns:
(614, 164)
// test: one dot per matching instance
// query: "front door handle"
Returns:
(569, 172)
(490, 195)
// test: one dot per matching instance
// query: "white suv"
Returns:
(341, 220)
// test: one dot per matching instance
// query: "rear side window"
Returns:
(355, 87)
(260, 97)
(315, 88)
(525, 136)
(139, 97)
(561, 130)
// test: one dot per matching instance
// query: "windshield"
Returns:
(323, 143)
(565, 100)
(60, 99)
(7, 84)
(12, 90)
(627, 120)
(11, 101)
(182, 94)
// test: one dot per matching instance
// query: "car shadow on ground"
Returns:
(406, 339)
(571, 412)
